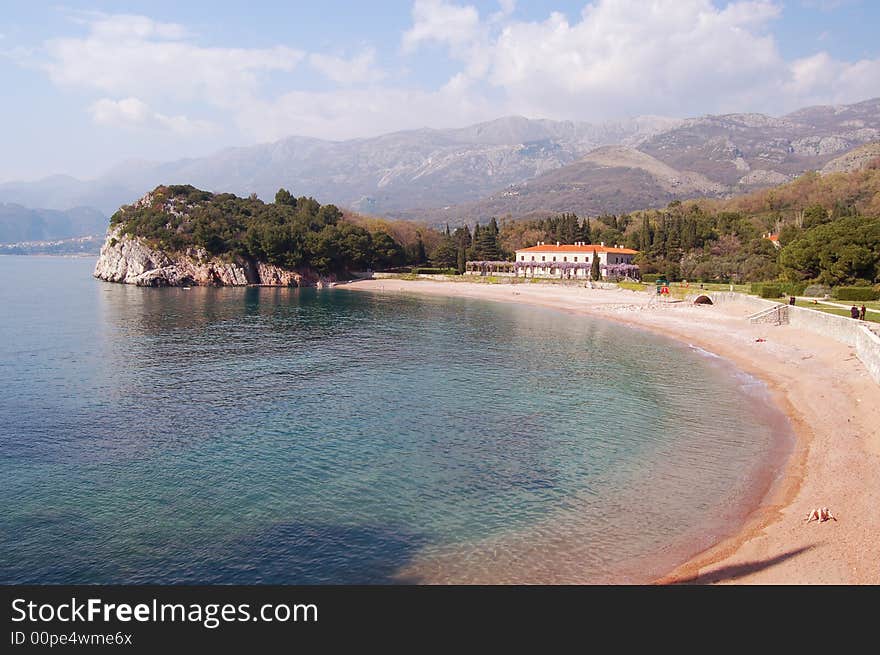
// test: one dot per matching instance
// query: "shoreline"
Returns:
(772, 545)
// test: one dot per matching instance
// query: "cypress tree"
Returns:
(645, 235)
(420, 256)
(595, 273)
(673, 236)
(659, 242)
(572, 228)
(689, 234)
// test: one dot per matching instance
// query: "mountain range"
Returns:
(510, 166)
(22, 224)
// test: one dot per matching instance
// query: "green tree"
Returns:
(283, 197)
(595, 272)
(839, 252)
(486, 243)
(446, 252)
(461, 260)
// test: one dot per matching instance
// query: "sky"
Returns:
(89, 85)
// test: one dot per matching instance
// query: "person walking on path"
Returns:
(791, 301)
(854, 312)
(862, 312)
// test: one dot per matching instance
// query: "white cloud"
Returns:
(617, 58)
(442, 22)
(662, 57)
(827, 5)
(359, 69)
(134, 55)
(822, 79)
(130, 26)
(350, 113)
(630, 57)
(132, 112)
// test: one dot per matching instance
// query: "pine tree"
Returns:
(462, 236)
(493, 227)
(446, 253)
(284, 197)
(487, 243)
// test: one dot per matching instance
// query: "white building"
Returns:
(574, 260)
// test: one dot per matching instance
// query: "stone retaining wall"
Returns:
(840, 328)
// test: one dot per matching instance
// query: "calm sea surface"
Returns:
(328, 436)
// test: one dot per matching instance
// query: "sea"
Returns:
(332, 436)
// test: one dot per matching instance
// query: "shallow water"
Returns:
(317, 436)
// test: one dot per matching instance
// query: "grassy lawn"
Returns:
(839, 311)
(870, 304)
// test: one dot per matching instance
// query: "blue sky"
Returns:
(88, 85)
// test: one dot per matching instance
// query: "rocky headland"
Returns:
(131, 260)
(182, 236)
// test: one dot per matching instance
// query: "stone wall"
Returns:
(840, 328)
(759, 304)
(868, 350)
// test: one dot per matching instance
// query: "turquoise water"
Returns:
(329, 436)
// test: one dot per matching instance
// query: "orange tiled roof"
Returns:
(572, 248)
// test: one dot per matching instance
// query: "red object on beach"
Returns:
(760, 340)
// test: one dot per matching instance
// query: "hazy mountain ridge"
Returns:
(715, 156)
(21, 224)
(511, 165)
(396, 171)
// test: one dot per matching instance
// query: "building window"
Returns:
(543, 258)
(554, 259)
(575, 258)
(565, 259)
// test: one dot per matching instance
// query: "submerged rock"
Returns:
(131, 260)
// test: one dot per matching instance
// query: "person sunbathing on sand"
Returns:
(820, 514)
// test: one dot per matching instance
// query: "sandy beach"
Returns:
(831, 400)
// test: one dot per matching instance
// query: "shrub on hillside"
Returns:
(426, 270)
(793, 288)
(770, 291)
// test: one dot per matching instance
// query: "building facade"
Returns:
(575, 261)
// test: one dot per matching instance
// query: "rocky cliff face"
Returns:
(131, 260)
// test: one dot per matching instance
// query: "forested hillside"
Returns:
(828, 231)
(292, 233)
